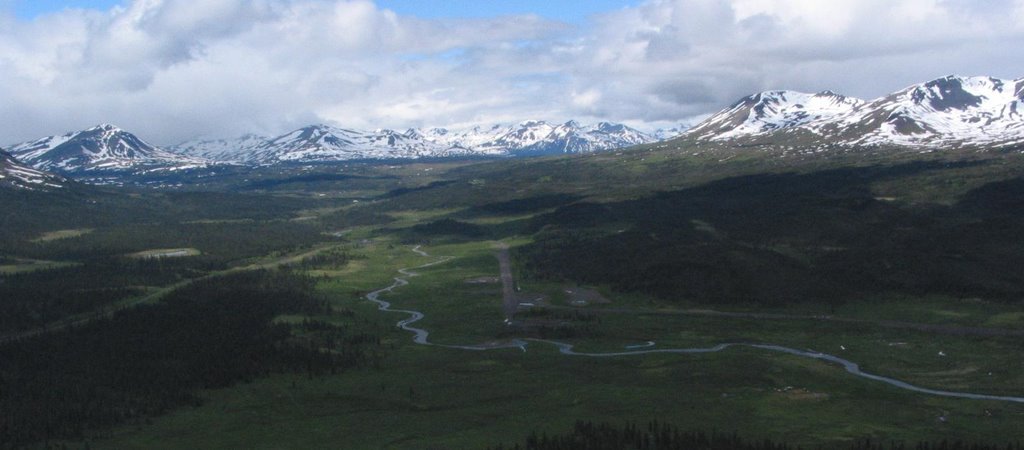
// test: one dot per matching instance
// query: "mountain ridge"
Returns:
(322, 142)
(14, 174)
(106, 148)
(951, 111)
(945, 113)
(102, 148)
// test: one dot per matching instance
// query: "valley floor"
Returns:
(813, 305)
(437, 397)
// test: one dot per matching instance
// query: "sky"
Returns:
(174, 70)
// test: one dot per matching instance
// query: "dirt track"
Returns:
(509, 299)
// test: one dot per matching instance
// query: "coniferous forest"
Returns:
(147, 360)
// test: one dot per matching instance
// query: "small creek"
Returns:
(420, 336)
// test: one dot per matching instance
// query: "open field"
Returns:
(62, 234)
(31, 265)
(166, 253)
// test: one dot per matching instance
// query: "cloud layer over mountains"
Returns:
(178, 69)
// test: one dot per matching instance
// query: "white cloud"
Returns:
(174, 69)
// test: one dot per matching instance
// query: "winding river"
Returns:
(420, 336)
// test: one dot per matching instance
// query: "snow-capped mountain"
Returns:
(775, 110)
(16, 175)
(328, 143)
(103, 148)
(225, 150)
(319, 143)
(662, 134)
(948, 112)
(537, 137)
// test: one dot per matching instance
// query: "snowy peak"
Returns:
(222, 150)
(539, 137)
(327, 143)
(109, 141)
(526, 134)
(949, 111)
(16, 175)
(949, 93)
(100, 148)
(774, 110)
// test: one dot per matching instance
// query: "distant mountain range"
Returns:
(328, 143)
(106, 148)
(949, 112)
(13, 174)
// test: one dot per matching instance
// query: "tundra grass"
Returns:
(436, 398)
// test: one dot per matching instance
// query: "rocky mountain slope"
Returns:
(948, 112)
(103, 148)
(13, 174)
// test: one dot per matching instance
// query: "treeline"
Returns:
(782, 238)
(522, 205)
(330, 259)
(147, 360)
(356, 216)
(660, 436)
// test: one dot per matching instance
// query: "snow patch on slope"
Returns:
(14, 174)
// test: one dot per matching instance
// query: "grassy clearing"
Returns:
(62, 234)
(408, 218)
(938, 310)
(217, 221)
(32, 265)
(166, 253)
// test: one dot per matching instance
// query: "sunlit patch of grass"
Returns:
(32, 265)
(62, 234)
(166, 253)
